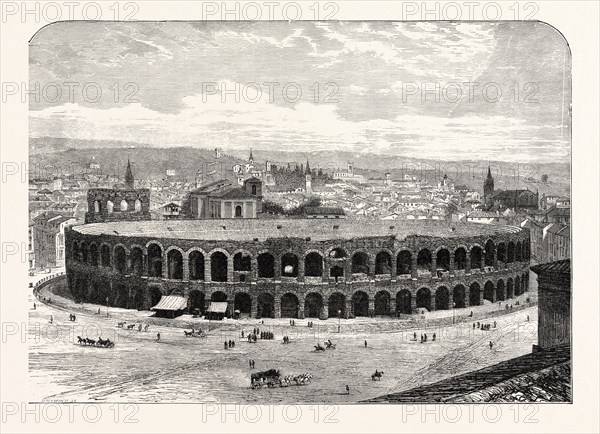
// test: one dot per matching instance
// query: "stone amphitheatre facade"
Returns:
(298, 268)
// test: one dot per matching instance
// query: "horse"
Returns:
(329, 345)
(130, 326)
(188, 334)
(121, 324)
(80, 340)
(377, 375)
(140, 328)
(318, 347)
(89, 341)
(146, 327)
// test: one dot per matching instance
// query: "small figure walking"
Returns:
(527, 317)
(433, 336)
(415, 335)
(51, 319)
(158, 336)
(347, 390)
(33, 306)
(491, 345)
(365, 344)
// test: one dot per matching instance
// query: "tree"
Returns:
(272, 207)
(544, 178)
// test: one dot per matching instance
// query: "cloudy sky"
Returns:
(427, 90)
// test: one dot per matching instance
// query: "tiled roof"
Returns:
(557, 267)
(317, 229)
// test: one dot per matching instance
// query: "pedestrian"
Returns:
(527, 318)
(242, 334)
(33, 306)
(415, 335)
(51, 319)
(494, 324)
(473, 326)
(365, 344)
(98, 311)
(471, 313)
(158, 336)
(491, 345)
(434, 336)
(347, 390)
(225, 345)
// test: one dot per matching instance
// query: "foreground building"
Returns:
(298, 267)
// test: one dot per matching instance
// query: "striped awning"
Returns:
(171, 302)
(218, 306)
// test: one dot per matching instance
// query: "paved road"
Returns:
(179, 369)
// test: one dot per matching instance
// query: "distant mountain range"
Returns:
(150, 161)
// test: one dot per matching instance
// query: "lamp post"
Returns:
(106, 307)
(339, 319)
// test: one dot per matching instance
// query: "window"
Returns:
(254, 189)
(238, 211)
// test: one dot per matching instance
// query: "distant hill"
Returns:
(153, 162)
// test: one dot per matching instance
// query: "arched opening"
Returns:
(138, 205)
(511, 252)
(476, 257)
(123, 205)
(458, 296)
(175, 264)
(218, 267)
(460, 259)
(383, 263)
(137, 261)
(289, 265)
(474, 294)
(313, 304)
(500, 294)
(404, 262)
(254, 190)
(518, 286)
(289, 306)
(105, 255)
(121, 296)
(424, 260)
(519, 252)
(155, 295)
(242, 262)
(488, 291)
(120, 260)
(510, 288)
(360, 303)
(138, 299)
(442, 298)
(527, 251)
(84, 252)
(218, 297)
(442, 260)
(154, 260)
(403, 300)
(337, 305)
(502, 253)
(382, 303)
(313, 265)
(360, 263)
(266, 265)
(242, 303)
(196, 300)
(97, 207)
(265, 306)
(336, 272)
(424, 299)
(489, 254)
(110, 206)
(337, 253)
(524, 283)
(238, 211)
(196, 266)
(94, 255)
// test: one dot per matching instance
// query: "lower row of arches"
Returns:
(314, 304)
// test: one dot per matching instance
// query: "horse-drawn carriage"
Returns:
(268, 378)
(100, 343)
(272, 378)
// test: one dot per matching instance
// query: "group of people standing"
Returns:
(229, 344)
(484, 327)
(286, 340)
(424, 337)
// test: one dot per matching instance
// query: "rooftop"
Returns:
(317, 230)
